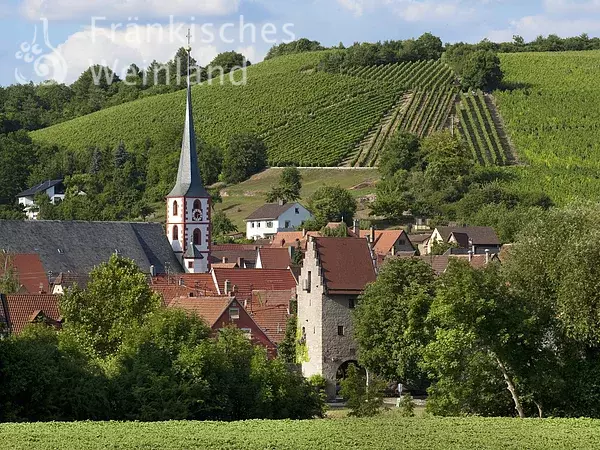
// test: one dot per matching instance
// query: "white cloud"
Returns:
(121, 48)
(72, 9)
(416, 10)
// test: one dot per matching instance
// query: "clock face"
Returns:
(196, 215)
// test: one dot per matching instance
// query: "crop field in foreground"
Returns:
(379, 433)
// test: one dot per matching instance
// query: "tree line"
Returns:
(122, 356)
(519, 338)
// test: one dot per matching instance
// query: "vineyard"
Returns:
(306, 117)
(553, 118)
(383, 432)
(422, 109)
(481, 133)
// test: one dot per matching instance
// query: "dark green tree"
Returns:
(401, 152)
(289, 187)
(332, 204)
(245, 156)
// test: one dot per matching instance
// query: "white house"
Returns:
(54, 189)
(272, 218)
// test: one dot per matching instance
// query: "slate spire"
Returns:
(189, 182)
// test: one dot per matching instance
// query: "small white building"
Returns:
(54, 189)
(272, 218)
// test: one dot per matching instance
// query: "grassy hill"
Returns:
(553, 118)
(307, 117)
(242, 199)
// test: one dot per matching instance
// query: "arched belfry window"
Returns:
(197, 237)
(198, 205)
(175, 233)
(175, 208)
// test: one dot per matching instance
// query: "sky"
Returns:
(59, 39)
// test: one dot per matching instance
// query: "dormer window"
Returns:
(175, 209)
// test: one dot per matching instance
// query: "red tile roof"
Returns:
(30, 271)
(270, 310)
(291, 238)
(183, 285)
(234, 247)
(247, 280)
(384, 239)
(24, 309)
(274, 258)
(347, 264)
(208, 308)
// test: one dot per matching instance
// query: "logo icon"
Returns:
(48, 63)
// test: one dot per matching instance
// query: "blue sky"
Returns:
(139, 31)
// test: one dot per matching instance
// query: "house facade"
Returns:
(272, 218)
(477, 240)
(335, 272)
(54, 189)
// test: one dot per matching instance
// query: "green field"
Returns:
(378, 433)
(553, 117)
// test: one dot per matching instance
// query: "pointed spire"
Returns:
(189, 182)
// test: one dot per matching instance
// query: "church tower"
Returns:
(189, 204)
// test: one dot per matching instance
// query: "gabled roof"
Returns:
(30, 272)
(68, 279)
(189, 182)
(270, 211)
(270, 310)
(291, 238)
(385, 239)
(196, 285)
(274, 258)
(42, 187)
(210, 309)
(74, 246)
(479, 235)
(419, 238)
(25, 309)
(346, 263)
(247, 280)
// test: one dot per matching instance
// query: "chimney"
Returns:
(372, 234)
(42, 291)
(487, 255)
(281, 202)
(470, 255)
(240, 263)
(153, 271)
(224, 260)
(356, 227)
(303, 232)
(471, 246)
(181, 283)
(227, 287)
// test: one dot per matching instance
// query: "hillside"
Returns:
(553, 119)
(242, 199)
(307, 117)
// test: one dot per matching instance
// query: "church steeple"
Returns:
(189, 205)
(189, 182)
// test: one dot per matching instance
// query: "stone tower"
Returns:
(189, 204)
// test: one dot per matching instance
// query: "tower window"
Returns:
(341, 330)
(197, 237)
(175, 233)
(175, 208)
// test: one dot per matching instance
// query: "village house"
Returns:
(419, 242)
(274, 258)
(222, 312)
(439, 263)
(272, 218)
(20, 310)
(477, 240)
(54, 189)
(334, 273)
(28, 271)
